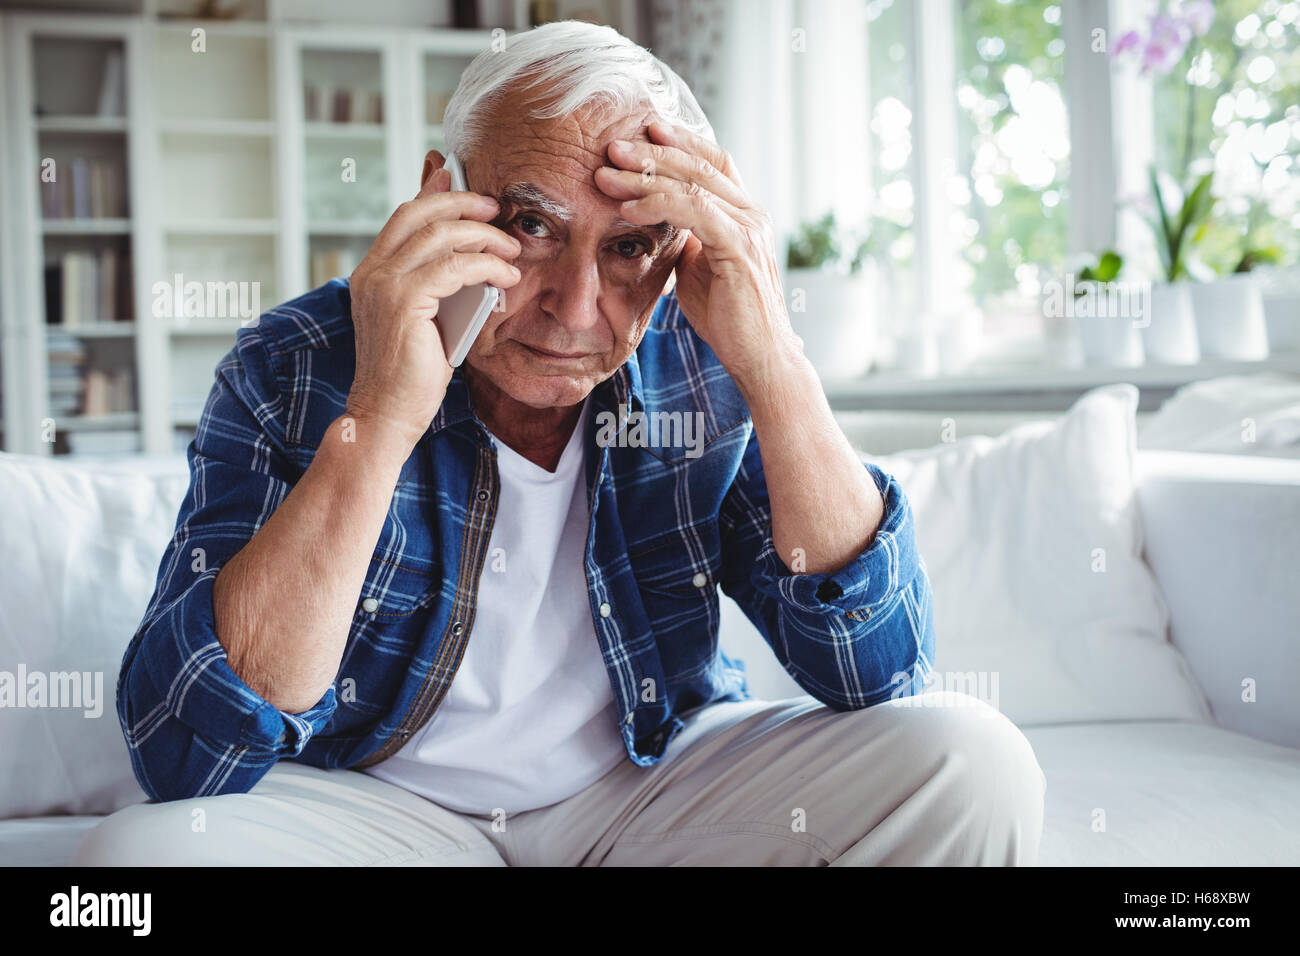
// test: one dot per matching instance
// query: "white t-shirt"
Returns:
(529, 718)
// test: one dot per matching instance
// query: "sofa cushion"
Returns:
(43, 841)
(80, 545)
(1033, 545)
(1166, 794)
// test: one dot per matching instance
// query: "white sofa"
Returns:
(1151, 753)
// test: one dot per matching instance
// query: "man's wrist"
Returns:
(384, 441)
(775, 384)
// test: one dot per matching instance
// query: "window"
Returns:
(1009, 141)
(891, 242)
(1229, 104)
(1011, 194)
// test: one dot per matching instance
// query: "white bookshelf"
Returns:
(227, 177)
(8, 270)
(80, 373)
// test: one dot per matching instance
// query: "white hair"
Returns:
(569, 64)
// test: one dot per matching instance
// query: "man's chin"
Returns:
(551, 390)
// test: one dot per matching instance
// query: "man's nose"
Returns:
(575, 290)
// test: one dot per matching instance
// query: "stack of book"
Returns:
(85, 189)
(82, 287)
(328, 263)
(323, 103)
(67, 357)
(108, 391)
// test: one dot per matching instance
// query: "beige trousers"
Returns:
(766, 783)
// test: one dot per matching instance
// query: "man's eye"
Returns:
(531, 226)
(631, 248)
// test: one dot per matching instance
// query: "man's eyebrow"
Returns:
(662, 231)
(528, 196)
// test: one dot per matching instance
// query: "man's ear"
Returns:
(433, 161)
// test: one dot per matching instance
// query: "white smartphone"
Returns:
(461, 316)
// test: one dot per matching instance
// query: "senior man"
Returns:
(477, 607)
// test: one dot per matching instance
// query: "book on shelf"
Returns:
(80, 188)
(325, 103)
(84, 287)
(67, 356)
(109, 271)
(328, 263)
(85, 189)
(112, 90)
(341, 111)
(108, 391)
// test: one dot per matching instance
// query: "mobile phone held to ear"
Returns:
(461, 316)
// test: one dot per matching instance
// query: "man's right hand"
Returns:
(431, 247)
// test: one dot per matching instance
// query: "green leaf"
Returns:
(1108, 267)
(1197, 205)
(1168, 246)
(1254, 257)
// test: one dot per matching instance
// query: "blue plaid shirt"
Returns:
(668, 527)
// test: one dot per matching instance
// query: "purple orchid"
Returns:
(1168, 35)
(1165, 47)
(1199, 14)
(1129, 41)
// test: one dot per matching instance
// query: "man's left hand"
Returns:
(728, 285)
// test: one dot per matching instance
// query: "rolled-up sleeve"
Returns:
(192, 726)
(851, 638)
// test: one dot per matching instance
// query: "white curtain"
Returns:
(736, 58)
(785, 84)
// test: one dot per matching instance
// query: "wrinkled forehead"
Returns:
(554, 161)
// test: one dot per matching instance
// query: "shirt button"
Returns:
(700, 579)
(605, 610)
(370, 605)
(482, 496)
(628, 720)
(457, 628)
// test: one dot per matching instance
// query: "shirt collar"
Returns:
(456, 406)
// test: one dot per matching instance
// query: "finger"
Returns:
(437, 238)
(656, 160)
(449, 274)
(666, 134)
(625, 184)
(429, 207)
(703, 217)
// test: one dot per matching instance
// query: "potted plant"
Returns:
(1230, 311)
(1280, 290)
(1106, 314)
(1170, 331)
(829, 291)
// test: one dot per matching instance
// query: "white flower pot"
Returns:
(1282, 316)
(1106, 337)
(1230, 318)
(835, 315)
(1169, 332)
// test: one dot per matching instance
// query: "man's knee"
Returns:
(994, 788)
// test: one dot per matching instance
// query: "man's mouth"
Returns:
(552, 354)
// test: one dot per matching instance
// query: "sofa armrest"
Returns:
(1222, 535)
